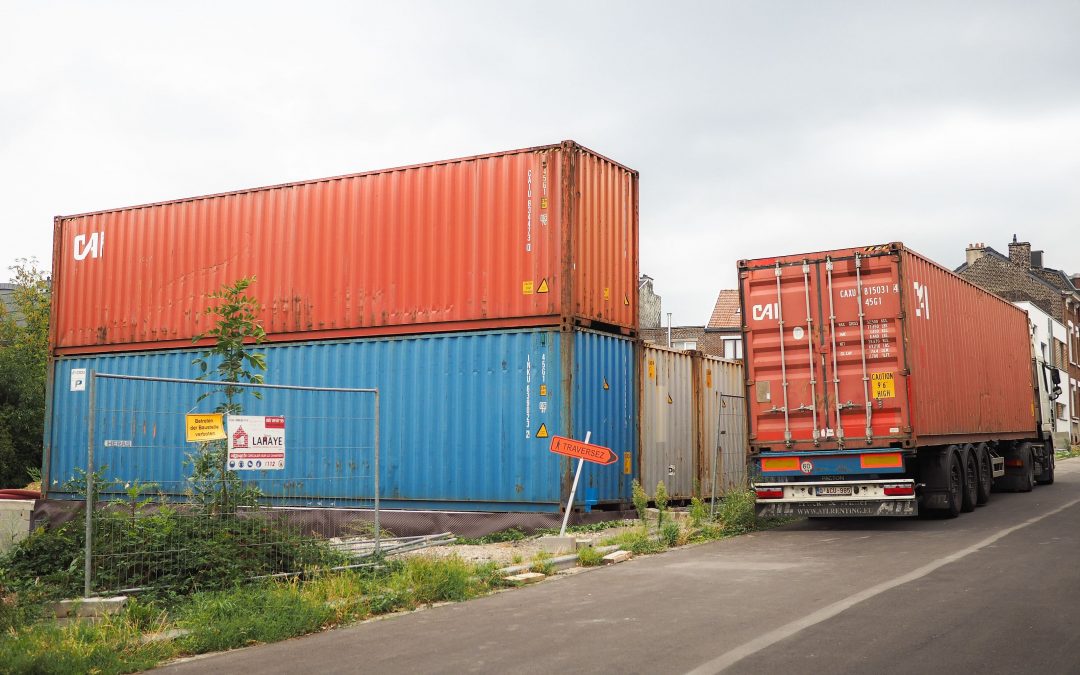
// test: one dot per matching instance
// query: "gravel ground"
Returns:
(507, 553)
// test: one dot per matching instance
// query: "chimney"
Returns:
(1075, 280)
(1020, 253)
(974, 252)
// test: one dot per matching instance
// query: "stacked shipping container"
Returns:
(389, 279)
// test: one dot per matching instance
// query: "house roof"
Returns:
(726, 313)
(1048, 276)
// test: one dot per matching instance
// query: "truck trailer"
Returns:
(881, 384)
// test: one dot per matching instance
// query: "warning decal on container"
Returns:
(543, 202)
(543, 287)
(652, 369)
(669, 399)
(626, 300)
(607, 293)
(542, 432)
(526, 288)
(543, 390)
(883, 384)
(606, 387)
(626, 463)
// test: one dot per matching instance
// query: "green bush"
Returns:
(699, 513)
(640, 499)
(736, 514)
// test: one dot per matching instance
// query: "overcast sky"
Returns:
(759, 128)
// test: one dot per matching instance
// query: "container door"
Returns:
(822, 344)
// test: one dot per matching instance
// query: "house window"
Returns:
(684, 344)
(733, 348)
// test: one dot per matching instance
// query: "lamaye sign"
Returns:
(256, 443)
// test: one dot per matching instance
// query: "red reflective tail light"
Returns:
(769, 493)
(1015, 463)
(901, 490)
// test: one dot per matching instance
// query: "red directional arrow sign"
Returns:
(586, 451)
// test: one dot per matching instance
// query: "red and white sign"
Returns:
(256, 443)
(586, 451)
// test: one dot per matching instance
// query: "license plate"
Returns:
(834, 490)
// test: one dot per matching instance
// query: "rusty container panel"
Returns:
(533, 237)
(668, 444)
(720, 424)
(879, 347)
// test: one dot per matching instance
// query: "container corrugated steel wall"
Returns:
(668, 415)
(530, 237)
(933, 357)
(721, 427)
(969, 353)
(460, 416)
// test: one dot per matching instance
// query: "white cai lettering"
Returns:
(93, 246)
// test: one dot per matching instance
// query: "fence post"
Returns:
(89, 548)
(376, 472)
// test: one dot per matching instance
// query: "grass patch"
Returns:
(511, 534)
(638, 542)
(542, 564)
(112, 645)
(589, 557)
(1074, 451)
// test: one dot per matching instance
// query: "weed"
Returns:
(516, 559)
(512, 534)
(640, 499)
(699, 513)
(1074, 451)
(669, 533)
(542, 563)
(589, 557)
(736, 513)
(661, 500)
(637, 542)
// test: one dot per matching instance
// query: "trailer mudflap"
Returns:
(839, 509)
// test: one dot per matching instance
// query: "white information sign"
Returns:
(256, 443)
(78, 379)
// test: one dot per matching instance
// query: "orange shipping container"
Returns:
(540, 236)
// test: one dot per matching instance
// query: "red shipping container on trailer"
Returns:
(533, 237)
(880, 347)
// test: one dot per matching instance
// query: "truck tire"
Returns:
(954, 479)
(1047, 476)
(1027, 478)
(986, 473)
(970, 492)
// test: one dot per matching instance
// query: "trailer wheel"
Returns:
(1027, 476)
(955, 480)
(970, 493)
(986, 473)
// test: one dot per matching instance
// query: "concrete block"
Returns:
(555, 545)
(583, 543)
(14, 522)
(525, 578)
(86, 608)
(617, 557)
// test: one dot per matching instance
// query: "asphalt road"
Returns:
(995, 591)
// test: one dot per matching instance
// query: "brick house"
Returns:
(724, 329)
(1021, 276)
(682, 337)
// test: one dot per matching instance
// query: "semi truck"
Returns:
(879, 383)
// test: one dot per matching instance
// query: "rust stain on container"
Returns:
(426, 248)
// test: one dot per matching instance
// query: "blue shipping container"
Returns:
(465, 419)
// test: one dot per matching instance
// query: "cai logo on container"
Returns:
(92, 245)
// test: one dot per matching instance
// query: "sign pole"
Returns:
(573, 489)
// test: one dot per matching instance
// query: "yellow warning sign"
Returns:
(708, 377)
(652, 369)
(543, 287)
(543, 202)
(627, 463)
(606, 387)
(526, 288)
(607, 293)
(669, 399)
(204, 427)
(542, 432)
(543, 390)
(626, 300)
(883, 384)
